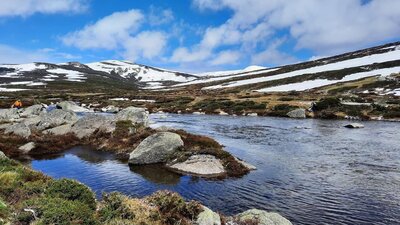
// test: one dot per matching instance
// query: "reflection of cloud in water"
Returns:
(157, 174)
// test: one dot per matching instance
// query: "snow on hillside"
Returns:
(142, 73)
(310, 84)
(71, 75)
(220, 78)
(21, 68)
(367, 60)
(231, 72)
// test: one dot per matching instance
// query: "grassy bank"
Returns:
(30, 197)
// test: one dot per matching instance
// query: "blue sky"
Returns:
(193, 35)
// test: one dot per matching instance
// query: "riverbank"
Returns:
(28, 197)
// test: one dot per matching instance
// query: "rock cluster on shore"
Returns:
(157, 147)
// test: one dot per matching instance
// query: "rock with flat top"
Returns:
(71, 106)
(134, 114)
(87, 125)
(208, 217)
(19, 129)
(7, 115)
(55, 118)
(156, 148)
(27, 147)
(203, 165)
(263, 217)
(354, 125)
(32, 111)
(60, 130)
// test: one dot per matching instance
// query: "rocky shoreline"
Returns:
(38, 131)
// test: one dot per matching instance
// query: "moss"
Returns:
(61, 211)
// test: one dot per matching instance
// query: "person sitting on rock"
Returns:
(17, 104)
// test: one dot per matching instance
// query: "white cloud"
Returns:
(160, 16)
(325, 26)
(108, 32)
(226, 57)
(273, 56)
(30, 7)
(147, 44)
(122, 32)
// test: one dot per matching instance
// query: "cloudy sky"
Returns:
(193, 35)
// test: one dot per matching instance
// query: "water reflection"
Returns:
(157, 174)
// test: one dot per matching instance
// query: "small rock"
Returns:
(198, 113)
(156, 148)
(252, 114)
(110, 109)
(71, 106)
(263, 217)
(206, 165)
(134, 114)
(2, 155)
(245, 164)
(354, 125)
(222, 113)
(297, 113)
(19, 129)
(208, 217)
(27, 147)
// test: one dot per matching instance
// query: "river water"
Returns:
(310, 171)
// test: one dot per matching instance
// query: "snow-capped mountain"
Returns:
(43, 74)
(379, 62)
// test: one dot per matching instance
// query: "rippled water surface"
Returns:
(310, 171)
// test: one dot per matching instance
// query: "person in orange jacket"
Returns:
(17, 104)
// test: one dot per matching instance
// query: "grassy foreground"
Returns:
(30, 197)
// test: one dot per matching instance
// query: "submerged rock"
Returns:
(206, 165)
(71, 106)
(134, 114)
(27, 147)
(55, 118)
(19, 129)
(297, 113)
(7, 115)
(87, 125)
(31, 111)
(208, 217)
(354, 125)
(263, 217)
(156, 148)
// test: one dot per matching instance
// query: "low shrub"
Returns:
(71, 190)
(327, 103)
(173, 208)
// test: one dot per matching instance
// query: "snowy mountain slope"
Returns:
(350, 67)
(231, 72)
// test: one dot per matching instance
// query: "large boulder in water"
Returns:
(7, 115)
(87, 125)
(203, 165)
(297, 113)
(32, 111)
(156, 148)
(208, 217)
(71, 106)
(55, 118)
(19, 129)
(134, 114)
(262, 217)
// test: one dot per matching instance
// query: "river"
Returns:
(310, 171)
